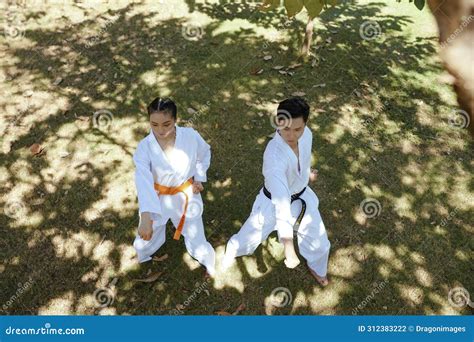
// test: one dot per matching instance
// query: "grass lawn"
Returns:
(382, 119)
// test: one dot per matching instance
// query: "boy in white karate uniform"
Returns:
(171, 164)
(286, 203)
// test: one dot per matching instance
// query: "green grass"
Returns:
(389, 140)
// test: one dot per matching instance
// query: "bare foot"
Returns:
(323, 281)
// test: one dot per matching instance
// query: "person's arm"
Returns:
(202, 163)
(276, 182)
(203, 158)
(148, 201)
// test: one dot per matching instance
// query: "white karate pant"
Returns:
(313, 241)
(193, 230)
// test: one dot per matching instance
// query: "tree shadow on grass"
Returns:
(378, 133)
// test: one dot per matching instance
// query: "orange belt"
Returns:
(168, 190)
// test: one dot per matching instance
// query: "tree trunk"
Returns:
(455, 20)
(308, 37)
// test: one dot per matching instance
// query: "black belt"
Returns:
(294, 197)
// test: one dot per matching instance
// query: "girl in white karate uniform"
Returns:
(286, 203)
(171, 164)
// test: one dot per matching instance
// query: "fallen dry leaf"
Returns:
(267, 57)
(83, 118)
(36, 149)
(278, 67)
(298, 93)
(57, 81)
(150, 279)
(161, 258)
(294, 66)
(240, 308)
(223, 313)
(256, 71)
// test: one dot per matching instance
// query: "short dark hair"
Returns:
(296, 107)
(162, 105)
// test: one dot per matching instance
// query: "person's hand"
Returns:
(145, 228)
(313, 175)
(291, 259)
(197, 187)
